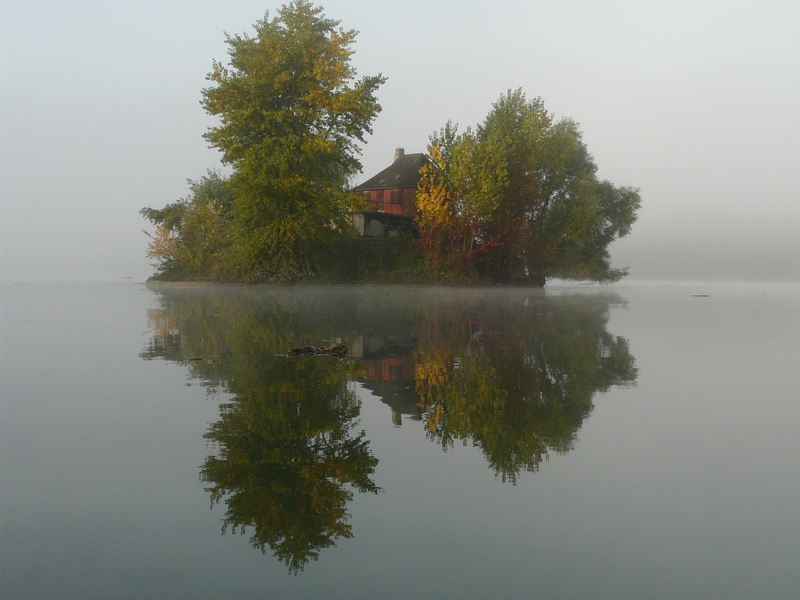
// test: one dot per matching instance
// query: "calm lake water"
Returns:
(577, 442)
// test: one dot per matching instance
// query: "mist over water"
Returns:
(716, 250)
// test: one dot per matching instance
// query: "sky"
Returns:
(697, 103)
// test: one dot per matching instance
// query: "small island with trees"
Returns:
(515, 200)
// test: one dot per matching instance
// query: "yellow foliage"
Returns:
(431, 373)
(435, 208)
(163, 244)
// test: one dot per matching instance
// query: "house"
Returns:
(390, 197)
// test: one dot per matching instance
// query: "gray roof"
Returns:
(402, 173)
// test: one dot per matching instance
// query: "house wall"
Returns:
(378, 225)
(374, 228)
(397, 201)
(358, 222)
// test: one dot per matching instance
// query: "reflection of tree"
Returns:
(287, 450)
(513, 372)
(517, 383)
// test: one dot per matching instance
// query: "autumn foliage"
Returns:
(518, 199)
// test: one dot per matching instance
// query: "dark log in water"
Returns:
(339, 351)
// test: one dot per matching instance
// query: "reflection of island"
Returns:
(512, 372)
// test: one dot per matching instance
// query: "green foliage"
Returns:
(291, 115)
(517, 382)
(287, 452)
(378, 260)
(192, 238)
(511, 372)
(457, 195)
(520, 198)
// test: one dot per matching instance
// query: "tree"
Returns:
(291, 115)
(525, 188)
(458, 192)
(192, 234)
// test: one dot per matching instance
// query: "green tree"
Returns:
(291, 116)
(527, 188)
(192, 237)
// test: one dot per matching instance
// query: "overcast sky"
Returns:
(695, 102)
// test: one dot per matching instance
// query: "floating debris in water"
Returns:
(339, 351)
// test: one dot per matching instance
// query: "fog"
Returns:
(696, 103)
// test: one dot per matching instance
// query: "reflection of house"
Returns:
(390, 197)
(388, 372)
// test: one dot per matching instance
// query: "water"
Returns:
(620, 442)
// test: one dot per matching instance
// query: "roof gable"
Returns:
(402, 173)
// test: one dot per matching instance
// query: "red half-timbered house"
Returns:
(390, 197)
